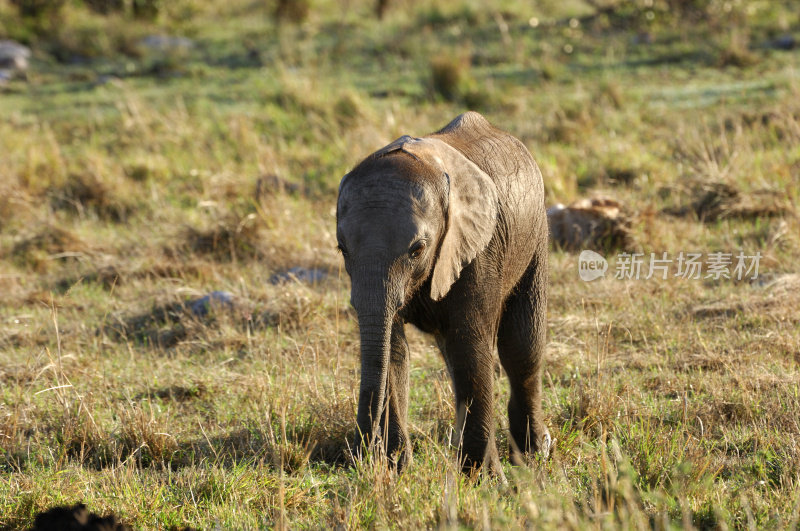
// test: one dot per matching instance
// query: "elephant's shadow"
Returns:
(303, 445)
(257, 445)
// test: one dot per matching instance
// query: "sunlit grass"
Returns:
(136, 183)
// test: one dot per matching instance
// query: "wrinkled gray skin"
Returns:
(448, 232)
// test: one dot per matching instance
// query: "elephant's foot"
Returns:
(398, 447)
(358, 448)
(488, 465)
(528, 434)
(400, 459)
(528, 443)
(397, 451)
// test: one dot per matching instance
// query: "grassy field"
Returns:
(135, 179)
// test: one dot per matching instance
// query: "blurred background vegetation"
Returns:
(154, 153)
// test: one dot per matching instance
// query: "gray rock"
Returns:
(107, 80)
(14, 56)
(216, 299)
(777, 281)
(299, 274)
(784, 42)
(166, 43)
(643, 37)
(271, 184)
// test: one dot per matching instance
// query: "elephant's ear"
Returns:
(471, 210)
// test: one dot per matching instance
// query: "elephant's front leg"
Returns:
(471, 365)
(394, 420)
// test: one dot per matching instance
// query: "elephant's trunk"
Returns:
(375, 342)
(375, 316)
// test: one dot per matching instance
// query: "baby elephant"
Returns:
(448, 232)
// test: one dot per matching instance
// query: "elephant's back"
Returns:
(498, 153)
(523, 230)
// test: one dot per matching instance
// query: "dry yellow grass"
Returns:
(673, 402)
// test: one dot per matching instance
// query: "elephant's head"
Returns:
(415, 210)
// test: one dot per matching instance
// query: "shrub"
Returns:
(347, 110)
(38, 9)
(86, 193)
(447, 74)
(38, 17)
(381, 6)
(295, 11)
(105, 7)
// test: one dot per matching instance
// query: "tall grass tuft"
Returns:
(447, 75)
(294, 11)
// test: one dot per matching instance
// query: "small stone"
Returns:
(200, 307)
(643, 37)
(271, 184)
(785, 42)
(298, 274)
(166, 42)
(14, 56)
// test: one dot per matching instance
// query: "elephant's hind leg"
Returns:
(520, 344)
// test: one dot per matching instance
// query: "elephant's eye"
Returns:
(342, 250)
(416, 250)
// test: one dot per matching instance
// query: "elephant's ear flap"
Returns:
(471, 211)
